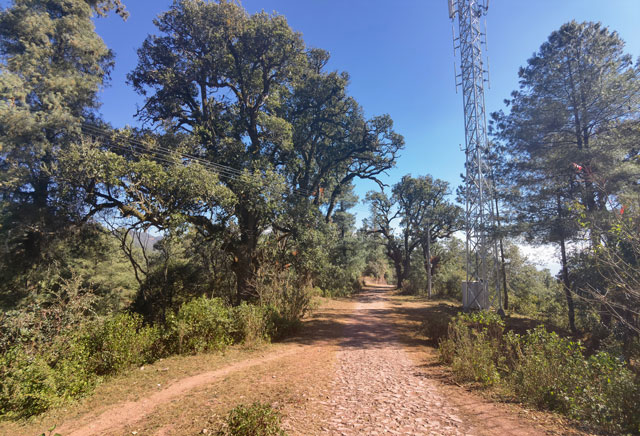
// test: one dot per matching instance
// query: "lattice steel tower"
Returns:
(482, 285)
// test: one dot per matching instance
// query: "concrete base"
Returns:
(474, 296)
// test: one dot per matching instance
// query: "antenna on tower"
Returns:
(481, 247)
(452, 10)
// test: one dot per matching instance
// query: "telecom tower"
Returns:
(481, 248)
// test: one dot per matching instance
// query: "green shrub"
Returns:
(472, 347)
(32, 381)
(254, 420)
(31, 384)
(288, 294)
(552, 372)
(544, 369)
(116, 343)
(251, 323)
(202, 324)
(610, 395)
(281, 325)
(27, 384)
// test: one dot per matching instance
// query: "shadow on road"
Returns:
(375, 322)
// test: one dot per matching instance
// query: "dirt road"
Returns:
(356, 369)
(382, 386)
(377, 389)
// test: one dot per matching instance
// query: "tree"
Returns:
(441, 219)
(52, 66)
(424, 217)
(252, 97)
(574, 93)
(381, 222)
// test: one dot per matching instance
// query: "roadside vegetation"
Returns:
(252, 420)
(544, 369)
(223, 218)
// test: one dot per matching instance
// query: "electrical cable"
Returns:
(165, 155)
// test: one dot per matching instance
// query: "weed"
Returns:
(254, 420)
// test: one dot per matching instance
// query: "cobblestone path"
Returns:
(377, 389)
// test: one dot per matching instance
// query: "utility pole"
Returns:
(481, 249)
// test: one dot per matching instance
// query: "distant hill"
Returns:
(146, 240)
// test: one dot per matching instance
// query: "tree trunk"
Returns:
(245, 276)
(504, 270)
(428, 260)
(406, 257)
(399, 276)
(565, 269)
(567, 287)
(245, 256)
(504, 277)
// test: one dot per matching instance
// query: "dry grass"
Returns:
(487, 409)
(133, 385)
(294, 380)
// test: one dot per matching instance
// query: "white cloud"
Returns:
(542, 256)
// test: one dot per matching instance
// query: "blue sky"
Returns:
(400, 58)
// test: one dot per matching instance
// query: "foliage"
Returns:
(607, 274)
(423, 215)
(116, 343)
(42, 321)
(259, 101)
(252, 324)
(34, 380)
(27, 385)
(86, 254)
(202, 324)
(286, 294)
(36, 375)
(553, 372)
(254, 420)
(52, 66)
(58, 348)
(544, 369)
(472, 346)
(51, 429)
(577, 96)
(451, 268)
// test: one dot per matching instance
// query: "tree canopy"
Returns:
(417, 214)
(562, 136)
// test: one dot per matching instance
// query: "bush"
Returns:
(286, 296)
(116, 343)
(544, 369)
(61, 307)
(254, 420)
(552, 372)
(251, 323)
(27, 385)
(472, 347)
(32, 381)
(202, 324)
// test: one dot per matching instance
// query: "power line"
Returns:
(166, 155)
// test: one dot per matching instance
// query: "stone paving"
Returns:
(377, 389)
